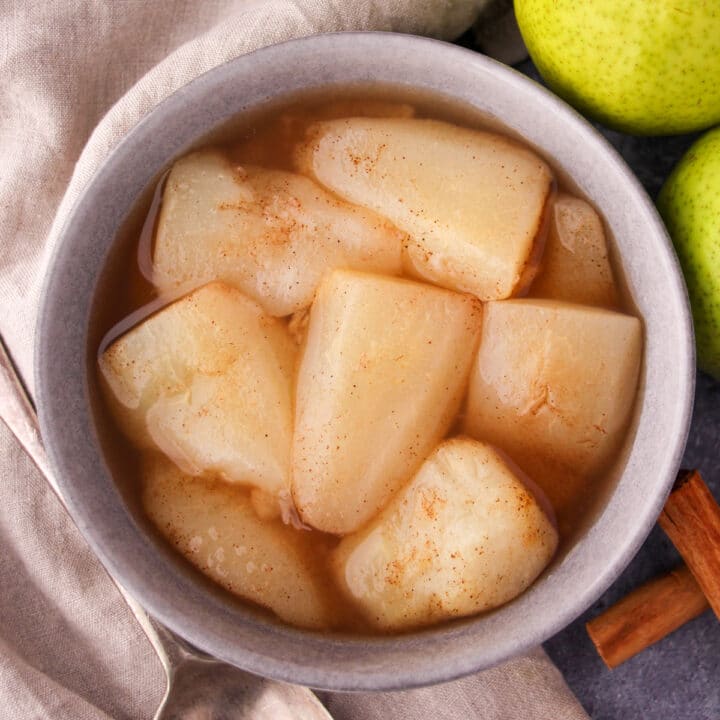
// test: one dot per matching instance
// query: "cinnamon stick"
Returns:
(691, 519)
(646, 615)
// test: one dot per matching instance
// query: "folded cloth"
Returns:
(74, 77)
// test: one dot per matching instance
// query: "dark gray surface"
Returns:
(678, 677)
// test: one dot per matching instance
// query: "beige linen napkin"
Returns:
(77, 75)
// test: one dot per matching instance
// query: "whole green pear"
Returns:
(690, 205)
(648, 67)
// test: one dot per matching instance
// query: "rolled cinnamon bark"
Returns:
(691, 519)
(646, 615)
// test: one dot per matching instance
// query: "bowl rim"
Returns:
(257, 645)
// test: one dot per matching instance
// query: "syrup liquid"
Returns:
(266, 137)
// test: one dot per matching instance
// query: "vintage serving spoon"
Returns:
(197, 685)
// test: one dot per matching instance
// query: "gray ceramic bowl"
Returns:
(210, 620)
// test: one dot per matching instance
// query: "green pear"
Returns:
(648, 67)
(690, 205)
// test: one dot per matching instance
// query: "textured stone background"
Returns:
(679, 677)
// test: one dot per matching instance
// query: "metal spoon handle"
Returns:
(19, 415)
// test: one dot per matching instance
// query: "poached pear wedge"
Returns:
(466, 535)
(270, 233)
(575, 264)
(382, 375)
(208, 380)
(472, 203)
(214, 526)
(553, 385)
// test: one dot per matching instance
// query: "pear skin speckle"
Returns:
(640, 66)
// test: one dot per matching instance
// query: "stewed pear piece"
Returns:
(382, 375)
(214, 526)
(208, 380)
(270, 233)
(466, 535)
(472, 203)
(575, 264)
(553, 385)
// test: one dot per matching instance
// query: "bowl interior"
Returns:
(209, 619)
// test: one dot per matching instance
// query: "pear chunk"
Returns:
(213, 525)
(472, 203)
(575, 264)
(208, 380)
(384, 368)
(270, 233)
(553, 385)
(466, 535)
